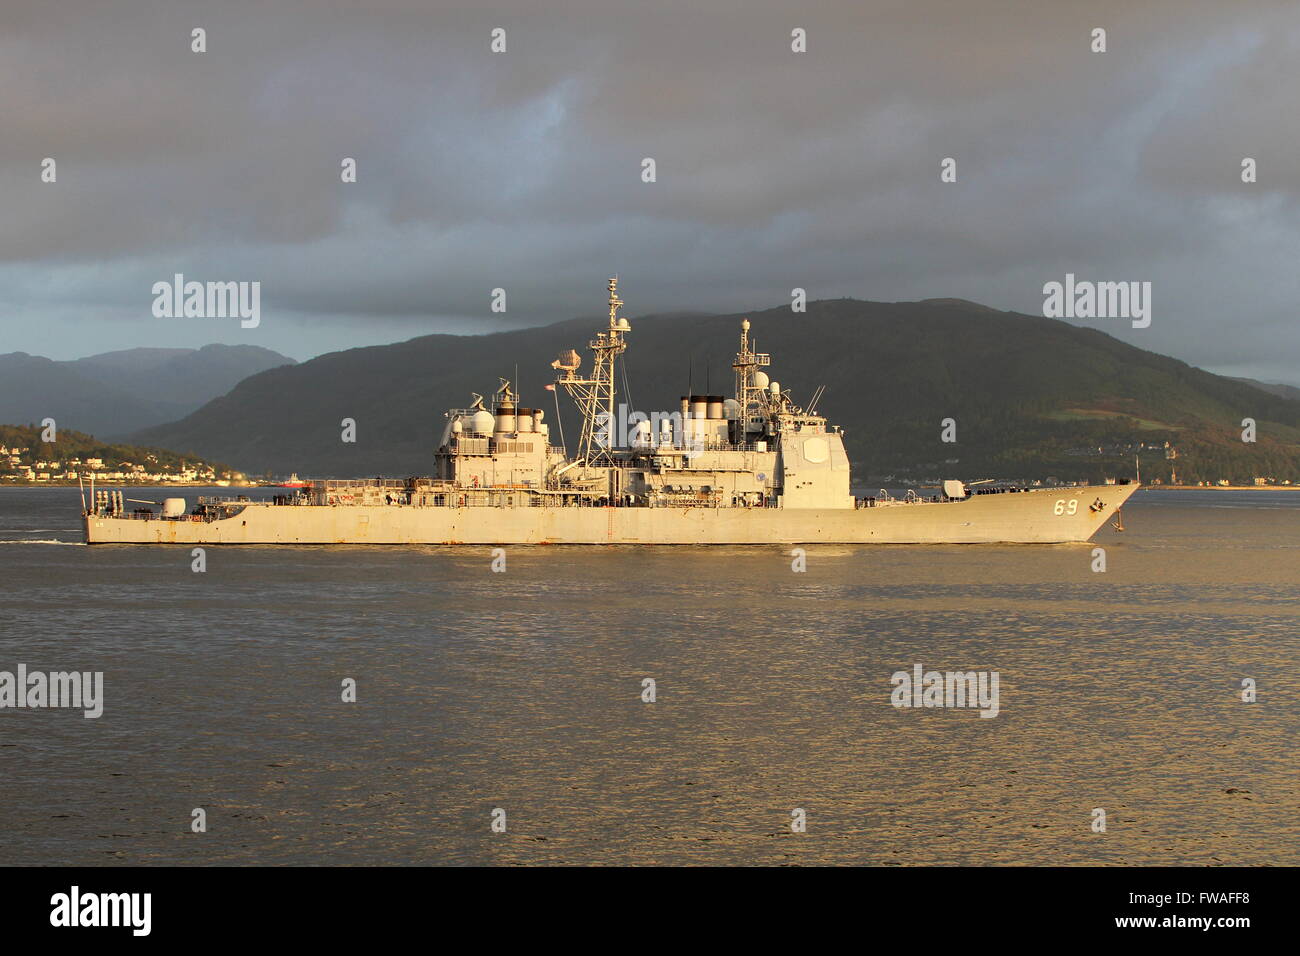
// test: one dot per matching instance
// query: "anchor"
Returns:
(1118, 523)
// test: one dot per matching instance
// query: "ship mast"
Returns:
(747, 392)
(595, 395)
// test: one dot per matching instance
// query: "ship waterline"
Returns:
(755, 468)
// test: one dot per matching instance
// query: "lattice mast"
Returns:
(595, 395)
(750, 396)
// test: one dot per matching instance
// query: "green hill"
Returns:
(1031, 396)
(77, 445)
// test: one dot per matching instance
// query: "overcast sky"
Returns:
(522, 169)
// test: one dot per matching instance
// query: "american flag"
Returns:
(549, 388)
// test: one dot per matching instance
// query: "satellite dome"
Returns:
(760, 380)
(481, 423)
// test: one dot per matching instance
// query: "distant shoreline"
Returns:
(1221, 487)
(125, 484)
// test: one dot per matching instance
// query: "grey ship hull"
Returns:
(1037, 516)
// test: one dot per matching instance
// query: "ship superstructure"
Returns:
(748, 469)
(756, 449)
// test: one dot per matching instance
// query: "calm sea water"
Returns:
(522, 691)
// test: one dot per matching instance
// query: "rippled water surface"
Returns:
(522, 690)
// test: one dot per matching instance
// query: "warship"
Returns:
(751, 469)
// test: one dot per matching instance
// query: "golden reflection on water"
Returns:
(522, 691)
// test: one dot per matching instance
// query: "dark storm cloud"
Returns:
(522, 170)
